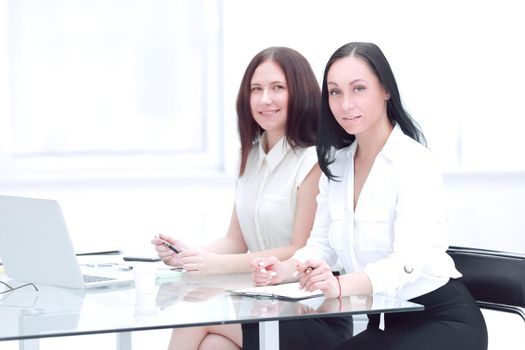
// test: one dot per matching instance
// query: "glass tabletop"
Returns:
(185, 301)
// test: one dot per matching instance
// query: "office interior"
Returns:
(124, 112)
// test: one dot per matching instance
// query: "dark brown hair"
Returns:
(304, 101)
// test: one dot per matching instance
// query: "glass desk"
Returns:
(27, 315)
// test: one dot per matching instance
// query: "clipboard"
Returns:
(286, 291)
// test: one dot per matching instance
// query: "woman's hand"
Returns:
(316, 274)
(202, 262)
(167, 255)
(267, 271)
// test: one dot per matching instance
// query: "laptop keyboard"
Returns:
(92, 278)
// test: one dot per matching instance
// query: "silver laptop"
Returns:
(35, 246)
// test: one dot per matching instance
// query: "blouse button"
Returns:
(408, 269)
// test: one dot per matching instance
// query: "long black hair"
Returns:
(331, 136)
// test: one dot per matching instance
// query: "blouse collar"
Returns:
(275, 155)
(390, 148)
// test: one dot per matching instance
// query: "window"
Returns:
(112, 85)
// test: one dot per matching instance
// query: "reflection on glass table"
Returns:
(188, 301)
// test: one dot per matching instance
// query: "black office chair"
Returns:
(495, 279)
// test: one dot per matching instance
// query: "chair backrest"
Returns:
(495, 279)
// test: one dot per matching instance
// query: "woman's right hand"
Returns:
(269, 270)
(167, 255)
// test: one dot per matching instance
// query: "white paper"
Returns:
(285, 291)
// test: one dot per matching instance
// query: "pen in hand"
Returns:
(169, 246)
(263, 269)
(307, 270)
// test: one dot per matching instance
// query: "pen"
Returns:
(170, 246)
(263, 269)
(307, 270)
(115, 266)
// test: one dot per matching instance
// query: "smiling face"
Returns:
(269, 99)
(356, 97)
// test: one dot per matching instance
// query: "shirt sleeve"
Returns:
(318, 244)
(420, 240)
(306, 164)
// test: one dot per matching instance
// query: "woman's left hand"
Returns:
(202, 262)
(316, 274)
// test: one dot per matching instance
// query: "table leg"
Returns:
(124, 341)
(28, 344)
(269, 335)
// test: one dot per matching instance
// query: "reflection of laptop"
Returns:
(35, 246)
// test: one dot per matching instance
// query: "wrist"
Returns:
(291, 268)
(234, 263)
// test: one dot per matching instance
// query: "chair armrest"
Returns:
(485, 252)
(495, 279)
(503, 307)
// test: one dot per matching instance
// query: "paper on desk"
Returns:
(286, 291)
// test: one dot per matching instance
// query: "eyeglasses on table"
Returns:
(12, 289)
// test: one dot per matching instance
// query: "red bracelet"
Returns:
(339, 283)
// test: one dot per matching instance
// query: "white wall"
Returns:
(486, 210)
(442, 55)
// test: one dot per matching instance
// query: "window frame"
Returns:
(133, 163)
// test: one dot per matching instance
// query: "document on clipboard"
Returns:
(286, 291)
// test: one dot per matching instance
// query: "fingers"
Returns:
(172, 260)
(161, 240)
(178, 260)
(201, 261)
(307, 269)
(315, 281)
(167, 238)
(263, 272)
(302, 269)
(191, 257)
(263, 278)
(263, 265)
(312, 272)
(192, 268)
(158, 239)
(263, 261)
(314, 263)
(168, 255)
(192, 262)
(164, 253)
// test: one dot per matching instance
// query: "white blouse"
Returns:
(396, 234)
(266, 194)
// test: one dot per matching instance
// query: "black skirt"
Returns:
(451, 320)
(311, 333)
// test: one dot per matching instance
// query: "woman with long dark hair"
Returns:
(380, 214)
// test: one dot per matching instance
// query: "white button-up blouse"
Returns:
(266, 194)
(396, 234)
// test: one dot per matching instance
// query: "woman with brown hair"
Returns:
(278, 107)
